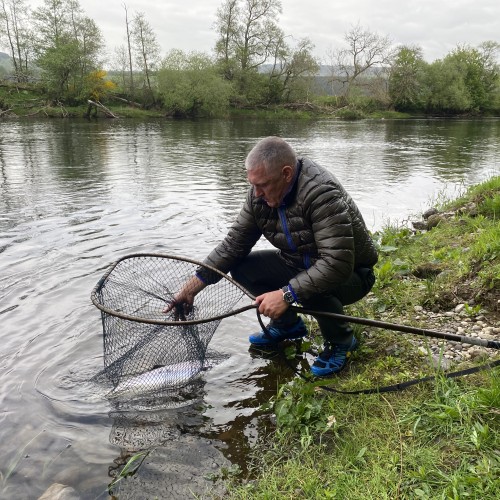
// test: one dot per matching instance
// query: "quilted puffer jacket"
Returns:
(318, 229)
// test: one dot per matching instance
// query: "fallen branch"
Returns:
(126, 101)
(98, 105)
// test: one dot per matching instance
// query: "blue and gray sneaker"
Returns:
(333, 358)
(276, 335)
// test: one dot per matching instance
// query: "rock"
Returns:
(427, 270)
(60, 492)
(470, 209)
(434, 220)
(419, 225)
(459, 308)
(429, 212)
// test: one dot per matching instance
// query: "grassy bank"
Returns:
(25, 101)
(439, 439)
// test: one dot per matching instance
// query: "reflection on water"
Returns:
(77, 195)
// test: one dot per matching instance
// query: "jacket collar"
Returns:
(292, 190)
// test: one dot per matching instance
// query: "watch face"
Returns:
(288, 297)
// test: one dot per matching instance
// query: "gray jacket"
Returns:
(318, 229)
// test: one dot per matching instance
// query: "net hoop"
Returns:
(94, 296)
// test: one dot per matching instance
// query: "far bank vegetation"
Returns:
(57, 57)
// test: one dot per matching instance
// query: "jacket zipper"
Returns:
(306, 257)
(291, 244)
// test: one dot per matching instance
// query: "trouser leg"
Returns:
(358, 285)
(265, 271)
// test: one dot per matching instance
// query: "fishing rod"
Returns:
(402, 328)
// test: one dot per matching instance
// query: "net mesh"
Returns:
(145, 349)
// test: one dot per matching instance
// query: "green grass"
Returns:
(438, 440)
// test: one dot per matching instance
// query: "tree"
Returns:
(190, 85)
(14, 15)
(67, 47)
(479, 72)
(147, 49)
(129, 52)
(226, 26)
(367, 55)
(406, 79)
(248, 35)
(292, 73)
(465, 81)
(446, 90)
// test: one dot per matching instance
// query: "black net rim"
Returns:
(94, 296)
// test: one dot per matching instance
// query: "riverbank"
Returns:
(438, 439)
(24, 101)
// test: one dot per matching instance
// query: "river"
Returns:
(77, 195)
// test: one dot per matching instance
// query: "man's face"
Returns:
(271, 188)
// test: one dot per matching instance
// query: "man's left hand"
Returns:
(271, 304)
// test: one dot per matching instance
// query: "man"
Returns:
(324, 258)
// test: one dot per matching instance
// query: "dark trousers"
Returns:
(264, 271)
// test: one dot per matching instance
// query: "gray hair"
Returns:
(273, 153)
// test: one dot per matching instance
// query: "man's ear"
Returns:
(287, 172)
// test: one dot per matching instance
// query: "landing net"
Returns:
(148, 351)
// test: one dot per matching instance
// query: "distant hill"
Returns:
(5, 60)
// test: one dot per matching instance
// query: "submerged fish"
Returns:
(163, 377)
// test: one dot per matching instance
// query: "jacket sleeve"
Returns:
(240, 239)
(328, 214)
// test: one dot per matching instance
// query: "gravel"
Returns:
(458, 321)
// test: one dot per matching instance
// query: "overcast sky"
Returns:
(435, 25)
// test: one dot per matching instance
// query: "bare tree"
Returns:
(291, 76)
(366, 56)
(226, 26)
(129, 47)
(146, 48)
(248, 32)
(14, 30)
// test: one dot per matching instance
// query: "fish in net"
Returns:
(147, 351)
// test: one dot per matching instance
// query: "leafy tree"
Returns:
(14, 30)
(446, 89)
(367, 55)
(479, 72)
(146, 47)
(406, 85)
(465, 81)
(190, 85)
(67, 47)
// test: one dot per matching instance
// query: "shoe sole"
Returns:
(276, 342)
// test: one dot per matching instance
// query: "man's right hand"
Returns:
(184, 299)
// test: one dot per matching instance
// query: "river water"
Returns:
(77, 195)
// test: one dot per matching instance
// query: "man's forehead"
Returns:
(258, 174)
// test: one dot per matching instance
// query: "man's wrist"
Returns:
(288, 295)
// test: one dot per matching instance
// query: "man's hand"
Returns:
(271, 304)
(184, 299)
